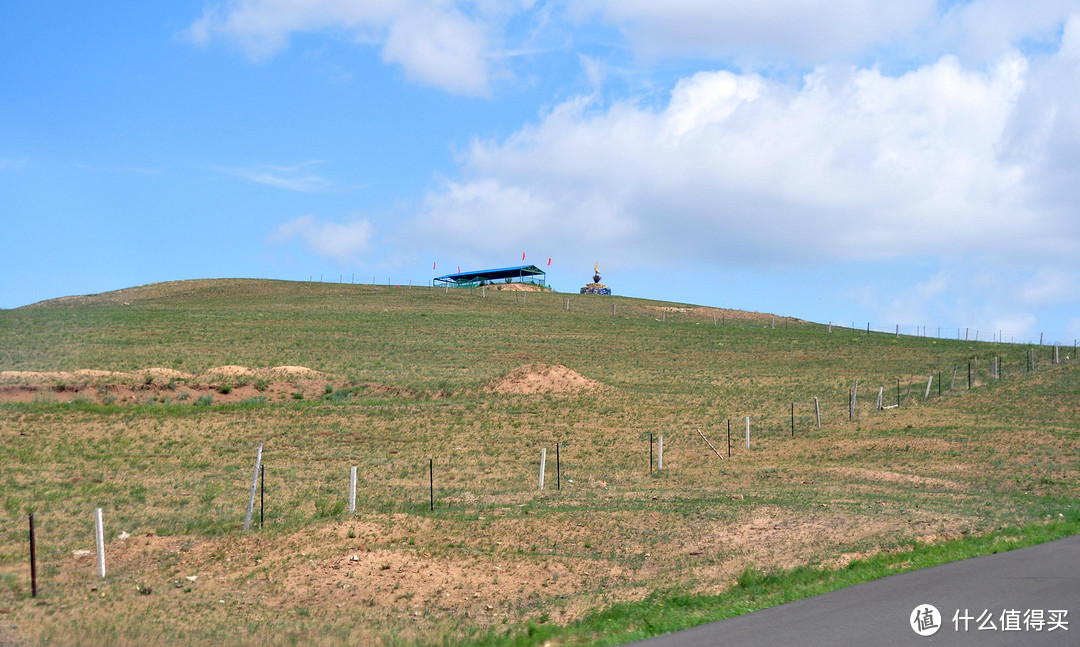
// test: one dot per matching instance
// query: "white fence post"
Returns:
(99, 535)
(352, 490)
(254, 484)
(543, 462)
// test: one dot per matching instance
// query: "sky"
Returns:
(859, 162)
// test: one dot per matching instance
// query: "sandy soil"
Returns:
(515, 287)
(162, 385)
(541, 378)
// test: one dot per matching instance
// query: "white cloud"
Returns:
(291, 178)
(456, 45)
(804, 30)
(852, 165)
(1049, 287)
(808, 32)
(440, 48)
(434, 42)
(985, 28)
(342, 243)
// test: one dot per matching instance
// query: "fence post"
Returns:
(748, 432)
(99, 536)
(254, 484)
(558, 468)
(543, 464)
(660, 455)
(854, 397)
(880, 395)
(929, 382)
(352, 490)
(817, 413)
(33, 560)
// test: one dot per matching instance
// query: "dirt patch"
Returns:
(223, 384)
(725, 313)
(541, 378)
(775, 538)
(515, 287)
(231, 370)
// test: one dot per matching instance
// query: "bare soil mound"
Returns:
(231, 370)
(541, 378)
(515, 287)
(223, 384)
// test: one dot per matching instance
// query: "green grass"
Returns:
(404, 377)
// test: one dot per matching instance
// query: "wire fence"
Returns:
(959, 333)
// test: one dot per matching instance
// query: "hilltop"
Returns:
(444, 400)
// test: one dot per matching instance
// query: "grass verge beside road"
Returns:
(661, 614)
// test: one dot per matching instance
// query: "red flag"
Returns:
(549, 261)
(459, 269)
(433, 267)
(522, 255)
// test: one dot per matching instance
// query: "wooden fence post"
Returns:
(558, 468)
(33, 560)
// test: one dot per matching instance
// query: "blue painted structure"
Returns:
(521, 274)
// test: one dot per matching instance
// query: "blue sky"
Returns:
(857, 161)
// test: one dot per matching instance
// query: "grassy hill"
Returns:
(402, 376)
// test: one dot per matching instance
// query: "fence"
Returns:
(963, 333)
(786, 419)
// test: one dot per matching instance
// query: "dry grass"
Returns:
(495, 551)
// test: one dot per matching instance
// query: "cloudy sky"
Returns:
(912, 163)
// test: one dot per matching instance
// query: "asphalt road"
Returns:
(1010, 592)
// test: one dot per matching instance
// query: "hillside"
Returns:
(459, 391)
